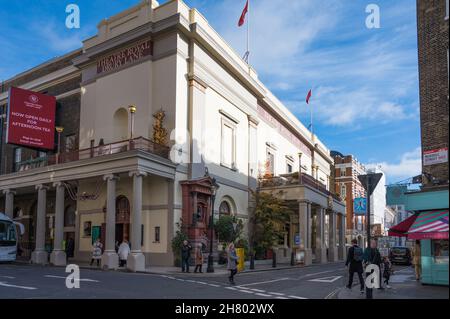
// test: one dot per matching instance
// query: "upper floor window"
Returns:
(224, 208)
(70, 144)
(228, 148)
(270, 162)
(17, 155)
(289, 168)
(343, 172)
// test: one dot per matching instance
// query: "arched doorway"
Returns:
(122, 219)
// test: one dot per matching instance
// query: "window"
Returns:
(440, 251)
(87, 229)
(343, 191)
(70, 144)
(69, 217)
(157, 234)
(42, 154)
(228, 145)
(289, 169)
(343, 172)
(17, 155)
(270, 169)
(224, 208)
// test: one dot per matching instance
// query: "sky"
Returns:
(365, 81)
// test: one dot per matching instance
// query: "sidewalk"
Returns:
(404, 286)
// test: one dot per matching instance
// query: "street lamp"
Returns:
(132, 109)
(59, 130)
(214, 188)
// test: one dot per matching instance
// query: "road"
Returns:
(27, 281)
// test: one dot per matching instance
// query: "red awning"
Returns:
(401, 230)
(423, 225)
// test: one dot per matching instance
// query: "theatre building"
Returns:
(151, 113)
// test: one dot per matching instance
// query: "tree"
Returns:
(269, 218)
(225, 228)
(177, 242)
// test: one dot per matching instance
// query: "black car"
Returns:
(400, 255)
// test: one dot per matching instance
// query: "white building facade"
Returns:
(164, 66)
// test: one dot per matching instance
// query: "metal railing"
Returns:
(139, 143)
(293, 179)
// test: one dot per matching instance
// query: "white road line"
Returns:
(277, 294)
(62, 277)
(281, 298)
(15, 286)
(263, 295)
(246, 291)
(326, 279)
(296, 297)
(263, 282)
(214, 285)
(231, 288)
(8, 277)
(258, 290)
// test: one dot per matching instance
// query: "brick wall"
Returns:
(433, 71)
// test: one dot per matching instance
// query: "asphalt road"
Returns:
(30, 281)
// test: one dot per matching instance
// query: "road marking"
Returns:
(231, 288)
(263, 295)
(62, 277)
(277, 294)
(214, 285)
(246, 291)
(296, 297)
(258, 290)
(8, 277)
(15, 286)
(263, 282)
(281, 298)
(327, 279)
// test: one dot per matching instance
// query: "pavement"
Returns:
(403, 285)
(19, 281)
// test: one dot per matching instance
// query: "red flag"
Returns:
(308, 97)
(244, 13)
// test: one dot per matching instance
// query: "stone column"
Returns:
(9, 203)
(342, 248)
(321, 250)
(58, 255)
(332, 250)
(110, 259)
(136, 259)
(304, 211)
(39, 255)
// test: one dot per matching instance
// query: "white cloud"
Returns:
(410, 165)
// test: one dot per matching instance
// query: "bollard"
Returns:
(292, 259)
(252, 261)
(274, 260)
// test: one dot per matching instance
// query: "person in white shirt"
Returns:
(123, 252)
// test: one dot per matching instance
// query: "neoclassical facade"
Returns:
(114, 180)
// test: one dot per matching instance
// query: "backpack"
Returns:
(358, 254)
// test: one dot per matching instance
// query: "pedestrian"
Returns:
(372, 256)
(116, 246)
(417, 260)
(232, 262)
(355, 264)
(97, 252)
(185, 256)
(387, 271)
(123, 252)
(70, 248)
(198, 259)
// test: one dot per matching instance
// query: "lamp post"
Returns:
(132, 109)
(214, 188)
(300, 180)
(59, 130)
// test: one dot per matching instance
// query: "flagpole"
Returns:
(248, 35)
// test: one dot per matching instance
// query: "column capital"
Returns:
(137, 173)
(58, 184)
(42, 187)
(110, 177)
(9, 191)
(304, 202)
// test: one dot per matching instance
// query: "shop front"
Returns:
(430, 226)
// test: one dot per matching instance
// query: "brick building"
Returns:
(348, 187)
(432, 21)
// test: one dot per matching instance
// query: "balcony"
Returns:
(139, 143)
(293, 179)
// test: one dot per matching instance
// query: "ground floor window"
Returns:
(440, 251)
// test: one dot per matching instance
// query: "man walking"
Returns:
(372, 256)
(417, 260)
(354, 262)
(185, 256)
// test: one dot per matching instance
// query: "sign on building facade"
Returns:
(360, 206)
(434, 157)
(31, 119)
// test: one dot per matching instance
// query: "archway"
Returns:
(122, 219)
(120, 125)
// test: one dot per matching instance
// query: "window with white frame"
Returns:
(228, 148)
(343, 172)
(270, 162)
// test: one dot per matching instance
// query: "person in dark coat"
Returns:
(372, 256)
(185, 256)
(70, 248)
(355, 264)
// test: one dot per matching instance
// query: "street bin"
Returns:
(241, 259)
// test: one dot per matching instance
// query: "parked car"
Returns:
(400, 255)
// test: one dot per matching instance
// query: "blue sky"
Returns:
(364, 81)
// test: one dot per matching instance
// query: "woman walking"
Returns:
(97, 252)
(232, 263)
(198, 259)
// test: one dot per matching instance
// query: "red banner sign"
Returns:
(31, 119)
(125, 56)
